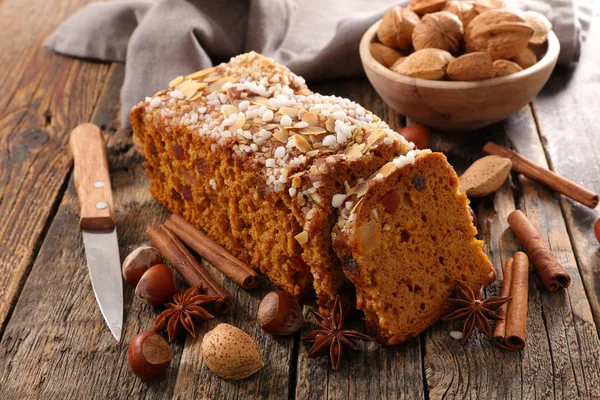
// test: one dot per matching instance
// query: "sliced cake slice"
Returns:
(404, 240)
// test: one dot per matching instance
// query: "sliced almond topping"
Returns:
(228, 109)
(301, 143)
(281, 135)
(291, 112)
(259, 100)
(354, 151)
(239, 123)
(312, 130)
(297, 174)
(201, 73)
(197, 95)
(312, 153)
(359, 190)
(302, 237)
(301, 112)
(386, 170)
(358, 203)
(190, 88)
(176, 81)
(310, 118)
(330, 125)
(217, 85)
(269, 127)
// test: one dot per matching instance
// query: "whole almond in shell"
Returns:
(231, 353)
(384, 55)
(540, 24)
(502, 33)
(399, 61)
(482, 6)
(525, 59)
(426, 64)
(485, 176)
(471, 67)
(396, 28)
(463, 10)
(505, 67)
(440, 30)
(423, 7)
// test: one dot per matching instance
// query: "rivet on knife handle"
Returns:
(92, 180)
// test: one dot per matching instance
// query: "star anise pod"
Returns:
(332, 335)
(474, 311)
(182, 311)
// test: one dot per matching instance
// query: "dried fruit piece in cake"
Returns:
(406, 241)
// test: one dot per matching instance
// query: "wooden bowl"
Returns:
(451, 105)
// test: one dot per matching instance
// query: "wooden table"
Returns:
(54, 343)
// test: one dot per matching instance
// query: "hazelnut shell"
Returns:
(231, 353)
(157, 285)
(138, 262)
(417, 134)
(148, 355)
(280, 314)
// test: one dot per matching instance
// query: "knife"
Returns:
(97, 222)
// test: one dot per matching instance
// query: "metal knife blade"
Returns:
(102, 254)
(97, 222)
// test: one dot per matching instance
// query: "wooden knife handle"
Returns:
(92, 180)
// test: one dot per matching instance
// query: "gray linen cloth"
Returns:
(161, 39)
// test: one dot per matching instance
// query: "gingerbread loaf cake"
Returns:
(267, 168)
(406, 241)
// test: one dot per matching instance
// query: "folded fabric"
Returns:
(161, 39)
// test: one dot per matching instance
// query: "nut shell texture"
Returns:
(525, 59)
(463, 10)
(423, 7)
(485, 176)
(426, 64)
(540, 24)
(384, 55)
(231, 353)
(396, 28)
(441, 30)
(482, 6)
(138, 261)
(502, 33)
(471, 67)
(505, 67)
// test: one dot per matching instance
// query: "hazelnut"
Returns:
(148, 355)
(396, 28)
(471, 67)
(505, 67)
(280, 314)
(157, 285)
(525, 59)
(440, 30)
(231, 353)
(463, 10)
(383, 54)
(426, 64)
(597, 230)
(422, 7)
(138, 261)
(502, 33)
(417, 134)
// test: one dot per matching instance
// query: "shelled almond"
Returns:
(511, 39)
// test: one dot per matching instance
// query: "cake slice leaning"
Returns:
(408, 238)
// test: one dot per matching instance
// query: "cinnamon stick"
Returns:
(516, 317)
(551, 273)
(500, 328)
(183, 261)
(220, 258)
(544, 176)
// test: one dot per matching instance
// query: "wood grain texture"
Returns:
(90, 174)
(44, 97)
(544, 368)
(567, 114)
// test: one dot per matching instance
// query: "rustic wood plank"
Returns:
(377, 371)
(567, 113)
(44, 96)
(558, 360)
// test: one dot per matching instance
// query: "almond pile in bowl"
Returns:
(459, 40)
